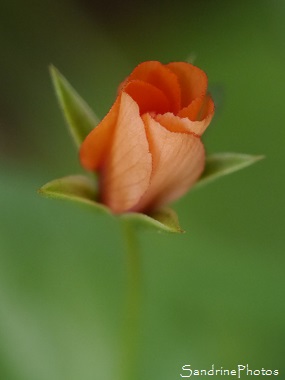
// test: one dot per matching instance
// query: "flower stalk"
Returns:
(131, 329)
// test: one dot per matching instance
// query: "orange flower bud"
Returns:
(147, 149)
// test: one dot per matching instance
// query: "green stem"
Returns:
(133, 304)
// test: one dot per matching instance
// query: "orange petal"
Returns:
(178, 161)
(158, 75)
(148, 97)
(201, 112)
(199, 109)
(183, 123)
(193, 81)
(126, 174)
(94, 147)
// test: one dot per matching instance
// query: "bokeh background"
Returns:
(213, 295)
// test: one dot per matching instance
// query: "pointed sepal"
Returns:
(79, 116)
(221, 164)
(75, 188)
(162, 220)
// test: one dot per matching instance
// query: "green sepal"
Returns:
(221, 164)
(162, 220)
(75, 188)
(79, 188)
(79, 116)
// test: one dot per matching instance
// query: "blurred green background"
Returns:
(213, 295)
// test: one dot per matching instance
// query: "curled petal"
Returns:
(178, 161)
(177, 124)
(94, 147)
(192, 80)
(199, 109)
(126, 174)
(158, 75)
(201, 112)
(148, 97)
